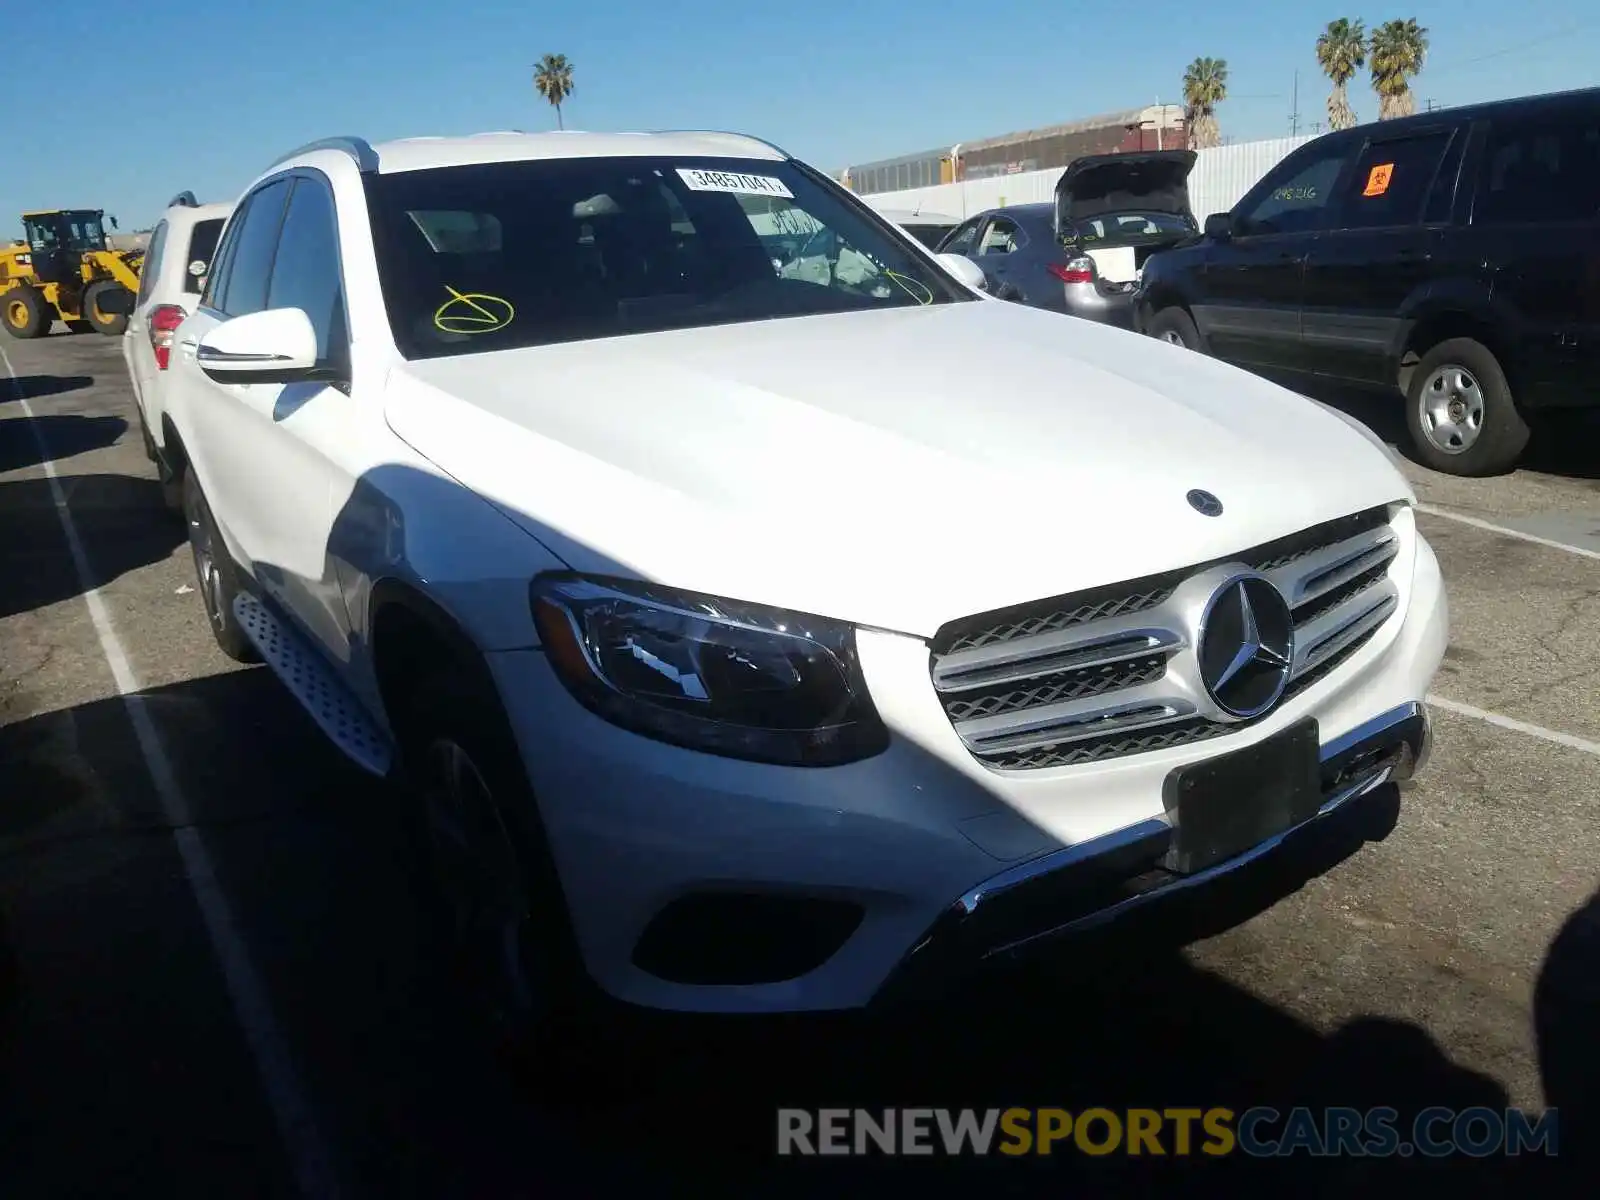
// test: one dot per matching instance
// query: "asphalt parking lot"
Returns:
(288, 1029)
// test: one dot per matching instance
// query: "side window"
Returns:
(152, 262)
(1536, 169)
(202, 253)
(216, 285)
(1442, 195)
(1391, 180)
(1002, 236)
(305, 274)
(251, 259)
(1296, 200)
(963, 239)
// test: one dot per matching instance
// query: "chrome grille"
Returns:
(1113, 672)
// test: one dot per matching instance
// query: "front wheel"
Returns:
(1176, 328)
(497, 904)
(1461, 413)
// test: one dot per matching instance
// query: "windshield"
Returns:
(202, 245)
(72, 231)
(500, 255)
(928, 235)
(1129, 227)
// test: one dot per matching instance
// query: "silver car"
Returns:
(1082, 253)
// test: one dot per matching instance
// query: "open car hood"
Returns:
(1152, 181)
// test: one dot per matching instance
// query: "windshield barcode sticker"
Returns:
(732, 181)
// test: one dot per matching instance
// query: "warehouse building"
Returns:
(1157, 127)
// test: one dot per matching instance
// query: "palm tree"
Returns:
(1396, 52)
(1341, 52)
(1205, 85)
(552, 76)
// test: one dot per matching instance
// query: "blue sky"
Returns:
(208, 106)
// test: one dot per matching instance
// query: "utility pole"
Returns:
(1294, 107)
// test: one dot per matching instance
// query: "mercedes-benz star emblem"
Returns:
(1205, 503)
(1246, 646)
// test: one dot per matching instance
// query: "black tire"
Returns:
(1461, 413)
(24, 313)
(110, 324)
(216, 574)
(171, 481)
(495, 907)
(1176, 326)
(150, 450)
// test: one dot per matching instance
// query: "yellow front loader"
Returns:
(66, 271)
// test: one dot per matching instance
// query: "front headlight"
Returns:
(711, 674)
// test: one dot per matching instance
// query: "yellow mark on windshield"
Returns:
(472, 312)
(917, 290)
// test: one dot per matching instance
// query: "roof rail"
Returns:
(362, 154)
(183, 200)
(732, 133)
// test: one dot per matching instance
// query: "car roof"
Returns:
(1465, 112)
(908, 216)
(1036, 210)
(424, 153)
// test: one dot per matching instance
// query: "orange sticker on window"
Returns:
(1378, 179)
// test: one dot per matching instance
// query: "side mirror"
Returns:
(275, 346)
(964, 269)
(1219, 226)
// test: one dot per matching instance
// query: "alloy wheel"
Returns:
(479, 876)
(205, 559)
(1451, 406)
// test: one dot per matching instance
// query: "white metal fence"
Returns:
(1221, 176)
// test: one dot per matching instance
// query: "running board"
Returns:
(315, 686)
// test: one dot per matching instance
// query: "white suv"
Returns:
(752, 645)
(170, 282)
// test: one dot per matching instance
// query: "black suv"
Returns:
(1453, 254)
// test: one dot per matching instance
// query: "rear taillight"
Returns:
(1077, 270)
(164, 322)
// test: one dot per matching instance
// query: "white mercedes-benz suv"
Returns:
(749, 642)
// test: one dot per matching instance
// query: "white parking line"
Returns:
(1569, 740)
(1479, 523)
(307, 1152)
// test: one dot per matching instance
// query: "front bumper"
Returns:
(1095, 882)
(943, 861)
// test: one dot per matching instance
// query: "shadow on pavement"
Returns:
(36, 387)
(64, 435)
(122, 1063)
(121, 519)
(1566, 1013)
(117, 986)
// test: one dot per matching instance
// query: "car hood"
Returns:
(896, 469)
(1156, 181)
